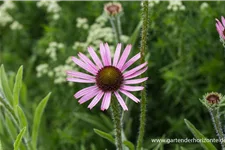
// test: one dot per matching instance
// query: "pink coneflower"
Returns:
(109, 77)
(221, 27)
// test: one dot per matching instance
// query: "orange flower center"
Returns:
(109, 78)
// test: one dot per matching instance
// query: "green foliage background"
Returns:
(186, 60)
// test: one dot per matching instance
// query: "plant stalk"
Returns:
(215, 115)
(116, 116)
(144, 33)
(116, 26)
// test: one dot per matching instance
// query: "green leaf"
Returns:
(199, 135)
(129, 145)
(1, 145)
(136, 33)
(37, 119)
(105, 135)
(5, 86)
(91, 120)
(16, 144)
(22, 117)
(17, 87)
(10, 127)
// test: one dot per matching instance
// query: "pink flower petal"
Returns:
(87, 61)
(80, 75)
(117, 54)
(85, 91)
(135, 81)
(84, 66)
(130, 72)
(132, 88)
(124, 56)
(108, 54)
(121, 101)
(131, 96)
(136, 74)
(95, 57)
(221, 27)
(81, 80)
(106, 101)
(131, 61)
(223, 20)
(88, 96)
(103, 55)
(96, 99)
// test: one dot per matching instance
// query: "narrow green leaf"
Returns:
(129, 145)
(199, 135)
(105, 135)
(16, 144)
(1, 145)
(133, 38)
(22, 117)
(17, 87)
(10, 127)
(93, 120)
(37, 119)
(5, 86)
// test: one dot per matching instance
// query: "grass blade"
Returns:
(105, 135)
(17, 87)
(16, 144)
(5, 85)
(129, 145)
(37, 119)
(199, 135)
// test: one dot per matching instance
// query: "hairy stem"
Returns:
(143, 93)
(215, 115)
(116, 116)
(115, 22)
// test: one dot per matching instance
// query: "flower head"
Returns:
(113, 8)
(221, 27)
(212, 100)
(108, 76)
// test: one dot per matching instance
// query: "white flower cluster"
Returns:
(175, 5)
(42, 69)
(82, 23)
(16, 26)
(6, 18)
(152, 3)
(58, 73)
(98, 32)
(204, 6)
(52, 7)
(52, 49)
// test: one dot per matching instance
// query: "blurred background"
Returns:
(185, 58)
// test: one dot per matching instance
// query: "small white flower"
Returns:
(7, 5)
(16, 26)
(5, 18)
(42, 69)
(203, 6)
(175, 5)
(82, 23)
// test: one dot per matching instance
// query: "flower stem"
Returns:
(116, 116)
(143, 93)
(115, 22)
(215, 115)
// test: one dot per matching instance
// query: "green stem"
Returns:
(143, 93)
(116, 116)
(215, 115)
(116, 26)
